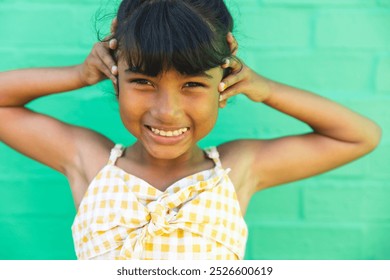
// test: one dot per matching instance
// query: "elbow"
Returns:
(5, 101)
(2, 100)
(373, 138)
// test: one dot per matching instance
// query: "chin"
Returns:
(166, 152)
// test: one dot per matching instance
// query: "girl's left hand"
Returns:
(242, 79)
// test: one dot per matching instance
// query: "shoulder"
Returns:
(240, 151)
(93, 150)
(240, 157)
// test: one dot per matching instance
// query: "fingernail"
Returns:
(222, 86)
(227, 62)
(114, 70)
(112, 43)
(221, 98)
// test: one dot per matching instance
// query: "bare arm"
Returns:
(339, 134)
(38, 136)
(21, 86)
(324, 116)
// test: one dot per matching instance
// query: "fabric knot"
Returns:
(213, 153)
(115, 153)
(159, 218)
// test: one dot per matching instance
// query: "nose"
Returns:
(167, 106)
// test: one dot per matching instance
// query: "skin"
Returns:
(339, 134)
(168, 102)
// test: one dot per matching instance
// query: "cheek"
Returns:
(126, 118)
(130, 103)
(130, 112)
(205, 112)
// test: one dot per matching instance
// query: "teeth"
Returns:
(162, 133)
(169, 133)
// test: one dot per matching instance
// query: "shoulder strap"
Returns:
(116, 153)
(212, 153)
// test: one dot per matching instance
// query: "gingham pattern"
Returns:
(123, 217)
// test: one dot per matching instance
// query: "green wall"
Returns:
(337, 48)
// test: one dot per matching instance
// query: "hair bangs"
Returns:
(167, 35)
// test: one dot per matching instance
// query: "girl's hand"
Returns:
(242, 79)
(100, 65)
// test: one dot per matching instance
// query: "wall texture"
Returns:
(337, 48)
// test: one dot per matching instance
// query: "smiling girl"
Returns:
(173, 66)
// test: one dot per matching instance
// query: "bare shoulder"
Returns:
(235, 150)
(239, 156)
(76, 152)
(93, 151)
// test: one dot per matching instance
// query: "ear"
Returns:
(116, 87)
(114, 25)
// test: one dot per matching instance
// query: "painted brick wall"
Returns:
(337, 48)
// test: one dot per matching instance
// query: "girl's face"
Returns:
(170, 113)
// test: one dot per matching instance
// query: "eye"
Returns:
(194, 84)
(141, 82)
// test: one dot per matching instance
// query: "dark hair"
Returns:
(186, 35)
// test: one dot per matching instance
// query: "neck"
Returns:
(189, 158)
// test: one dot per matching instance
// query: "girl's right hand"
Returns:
(100, 65)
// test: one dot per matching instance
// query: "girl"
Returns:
(173, 65)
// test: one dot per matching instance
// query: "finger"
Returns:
(114, 25)
(102, 67)
(222, 104)
(234, 63)
(107, 59)
(233, 45)
(226, 63)
(230, 92)
(230, 80)
(114, 70)
(113, 44)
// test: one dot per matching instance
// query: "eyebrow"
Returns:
(133, 70)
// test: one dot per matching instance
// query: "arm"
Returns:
(21, 86)
(339, 134)
(41, 137)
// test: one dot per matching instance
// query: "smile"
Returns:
(168, 133)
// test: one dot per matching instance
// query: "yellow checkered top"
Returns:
(123, 217)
